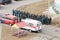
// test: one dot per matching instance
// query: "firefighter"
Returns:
(27, 15)
(47, 20)
(43, 19)
(17, 13)
(37, 17)
(20, 17)
(13, 12)
(50, 20)
(21, 13)
(40, 17)
(24, 15)
(32, 16)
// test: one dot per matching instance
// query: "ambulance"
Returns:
(34, 25)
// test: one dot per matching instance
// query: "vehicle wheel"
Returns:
(29, 30)
(3, 3)
(10, 24)
(39, 31)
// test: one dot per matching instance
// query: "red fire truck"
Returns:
(9, 19)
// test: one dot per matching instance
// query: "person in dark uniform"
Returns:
(50, 20)
(40, 17)
(32, 16)
(13, 12)
(37, 17)
(24, 15)
(16, 12)
(27, 15)
(20, 17)
(43, 19)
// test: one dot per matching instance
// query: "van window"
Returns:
(30, 24)
(15, 18)
(9, 18)
(38, 25)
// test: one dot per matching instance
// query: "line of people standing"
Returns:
(22, 15)
(44, 19)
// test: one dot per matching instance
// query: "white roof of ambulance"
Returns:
(31, 21)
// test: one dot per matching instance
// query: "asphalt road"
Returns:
(9, 7)
(48, 33)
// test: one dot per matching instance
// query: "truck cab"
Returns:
(9, 19)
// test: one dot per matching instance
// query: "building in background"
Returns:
(57, 3)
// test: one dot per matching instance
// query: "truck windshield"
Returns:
(9, 18)
(12, 19)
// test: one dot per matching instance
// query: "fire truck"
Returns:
(9, 19)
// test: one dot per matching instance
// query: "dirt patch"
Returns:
(7, 34)
(57, 19)
(36, 8)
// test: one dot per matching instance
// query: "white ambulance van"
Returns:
(34, 25)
